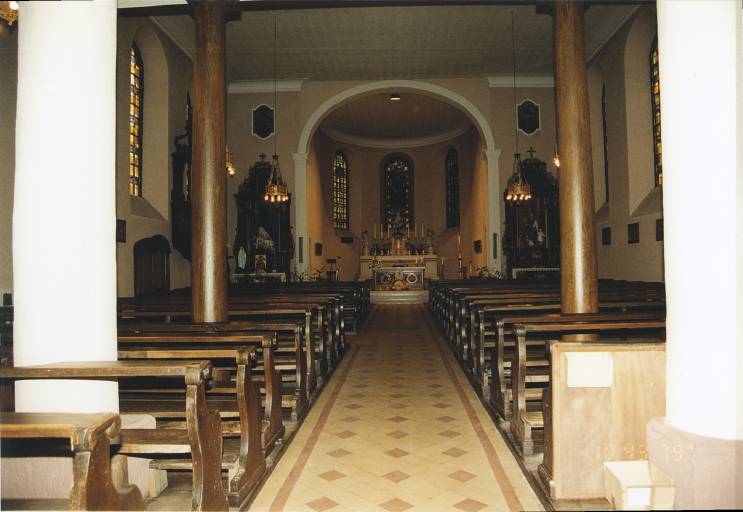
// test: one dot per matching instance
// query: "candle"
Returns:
(459, 240)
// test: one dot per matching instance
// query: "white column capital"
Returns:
(300, 159)
(491, 155)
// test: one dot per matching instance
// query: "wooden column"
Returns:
(579, 284)
(208, 184)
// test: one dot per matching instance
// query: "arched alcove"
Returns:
(490, 152)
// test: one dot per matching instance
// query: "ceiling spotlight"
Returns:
(394, 97)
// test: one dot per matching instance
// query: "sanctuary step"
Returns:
(399, 297)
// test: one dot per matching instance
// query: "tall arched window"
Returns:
(655, 98)
(606, 143)
(397, 192)
(340, 191)
(136, 97)
(452, 189)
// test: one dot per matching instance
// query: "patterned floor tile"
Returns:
(397, 434)
(321, 504)
(470, 505)
(461, 476)
(397, 453)
(396, 505)
(396, 476)
(360, 462)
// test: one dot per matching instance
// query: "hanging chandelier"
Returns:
(276, 189)
(228, 164)
(518, 188)
(9, 12)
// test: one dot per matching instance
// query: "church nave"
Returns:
(398, 428)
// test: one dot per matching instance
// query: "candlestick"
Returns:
(459, 241)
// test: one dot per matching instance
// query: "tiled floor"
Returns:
(397, 428)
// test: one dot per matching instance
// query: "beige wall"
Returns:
(167, 79)
(623, 66)
(8, 80)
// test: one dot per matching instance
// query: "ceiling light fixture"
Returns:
(394, 97)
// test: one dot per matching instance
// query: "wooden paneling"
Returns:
(586, 426)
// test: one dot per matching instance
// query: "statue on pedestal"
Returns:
(365, 243)
(429, 241)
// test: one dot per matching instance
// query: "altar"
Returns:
(413, 270)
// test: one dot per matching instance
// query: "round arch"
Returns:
(491, 153)
(456, 99)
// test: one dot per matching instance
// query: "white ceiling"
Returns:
(376, 121)
(394, 42)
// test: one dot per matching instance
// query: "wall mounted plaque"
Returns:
(263, 121)
(529, 118)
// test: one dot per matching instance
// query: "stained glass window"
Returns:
(452, 189)
(606, 143)
(340, 191)
(136, 95)
(655, 98)
(397, 193)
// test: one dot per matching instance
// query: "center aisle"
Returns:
(397, 428)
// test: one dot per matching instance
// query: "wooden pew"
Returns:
(309, 317)
(202, 439)
(592, 419)
(233, 395)
(326, 310)
(524, 422)
(99, 481)
(493, 351)
(191, 338)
